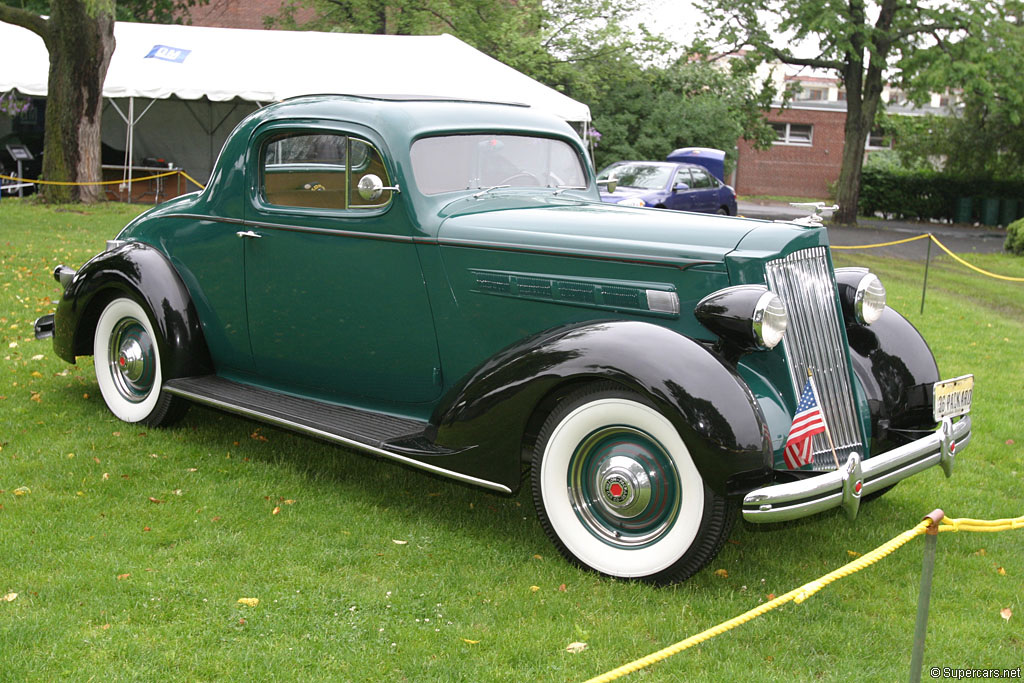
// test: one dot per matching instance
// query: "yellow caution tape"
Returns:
(881, 244)
(99, 182)
(808, 589)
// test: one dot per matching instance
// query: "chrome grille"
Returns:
(814, 340)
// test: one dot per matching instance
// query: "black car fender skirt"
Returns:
(714, 411)
(897, 370)
(141, 272)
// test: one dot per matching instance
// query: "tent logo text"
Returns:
(168, 54)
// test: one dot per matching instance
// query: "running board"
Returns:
(360, 429)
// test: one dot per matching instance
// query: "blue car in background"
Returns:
(691, 180)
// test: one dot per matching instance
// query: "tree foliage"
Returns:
(859, 40)
(983, 136)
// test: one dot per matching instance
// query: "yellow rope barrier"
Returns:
(974, 268)
(192, 180)
(99, 182)
(808, 589)
(881, 244)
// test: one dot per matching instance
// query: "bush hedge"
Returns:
(927, 195)
(1015, 237)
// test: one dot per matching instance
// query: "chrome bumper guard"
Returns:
(856, 478)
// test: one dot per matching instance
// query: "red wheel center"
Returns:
(615, 489)
(121, 360)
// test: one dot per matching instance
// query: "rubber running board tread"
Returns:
(372, 429)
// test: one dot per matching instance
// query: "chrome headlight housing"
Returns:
(632, 201)
(862, 295)
(751, 317)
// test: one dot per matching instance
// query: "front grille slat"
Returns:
(804, 281)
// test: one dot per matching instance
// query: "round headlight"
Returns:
(862, 295)
(632, 201)
(746, 317)
(769, 320)
(869, 301)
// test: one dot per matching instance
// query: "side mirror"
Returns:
(681, 187)
(371, 187)
(611, 184)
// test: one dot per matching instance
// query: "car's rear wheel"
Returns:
(126, 357)
(617, 491)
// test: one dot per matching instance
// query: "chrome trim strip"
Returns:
(334, 438)
(793, 500)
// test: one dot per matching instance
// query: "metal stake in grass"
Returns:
(924, 597)
(927, 262)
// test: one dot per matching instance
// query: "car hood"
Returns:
(565, 224)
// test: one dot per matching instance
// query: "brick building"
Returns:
(249, 14)
(806, 157)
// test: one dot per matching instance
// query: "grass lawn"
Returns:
(129, 549)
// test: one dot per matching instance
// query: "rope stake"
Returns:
(808, 589)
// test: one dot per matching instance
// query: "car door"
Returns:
(680, 200)
(704, 191)
(337, 303)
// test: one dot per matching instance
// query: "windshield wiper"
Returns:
(563, 188)
(481, 193)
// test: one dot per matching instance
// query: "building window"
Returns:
(793, 133)
(812, 94)
(879, 139)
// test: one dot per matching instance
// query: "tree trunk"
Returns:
(80, 40)
(848, 188)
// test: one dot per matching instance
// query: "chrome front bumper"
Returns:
(856, 478)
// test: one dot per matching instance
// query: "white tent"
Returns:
(185, 87)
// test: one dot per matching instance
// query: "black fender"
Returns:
(713, 409)
(143, 273)
(897, 370)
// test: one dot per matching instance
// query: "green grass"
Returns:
(114, 586)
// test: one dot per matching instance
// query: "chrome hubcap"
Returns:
(132, 360)
(624, 487)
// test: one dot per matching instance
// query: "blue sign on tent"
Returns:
(168, 54)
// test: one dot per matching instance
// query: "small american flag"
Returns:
(807, 422)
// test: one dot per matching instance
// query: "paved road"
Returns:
(962, 240)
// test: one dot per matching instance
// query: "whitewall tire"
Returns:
(617, 491)
(126, 357)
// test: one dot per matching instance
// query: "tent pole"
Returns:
(131, 144)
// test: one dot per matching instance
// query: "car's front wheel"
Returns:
(617, 491)
(126, 356)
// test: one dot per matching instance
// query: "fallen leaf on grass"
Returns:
(289, 502)
(397, 542)
(562, 588)
(722, 573)
(853, 553)
(249, 602)
(1006, 613)
(534, 589)
(276, 510)
(471, 642)
(154, 500)
(21, 491)
(11, 597)
(1001, 571)
(576, 647)
(105, 627)
(122, 577)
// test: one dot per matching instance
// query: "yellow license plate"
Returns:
(953, 397)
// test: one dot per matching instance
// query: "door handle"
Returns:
(249, 234)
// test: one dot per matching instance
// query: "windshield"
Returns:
(643, 176)
(472, 162)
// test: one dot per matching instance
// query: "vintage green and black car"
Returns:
(439, 284)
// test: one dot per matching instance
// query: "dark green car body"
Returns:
(447, 324)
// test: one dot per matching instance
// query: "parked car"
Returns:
(438, 283)
(666, 185)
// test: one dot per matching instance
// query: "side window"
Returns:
(683, 176)
(701, 179)
(319, 171)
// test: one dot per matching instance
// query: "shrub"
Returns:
(1015, 237)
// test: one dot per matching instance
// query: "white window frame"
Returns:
(784, 136)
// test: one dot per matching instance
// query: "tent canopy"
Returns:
(161, 61)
